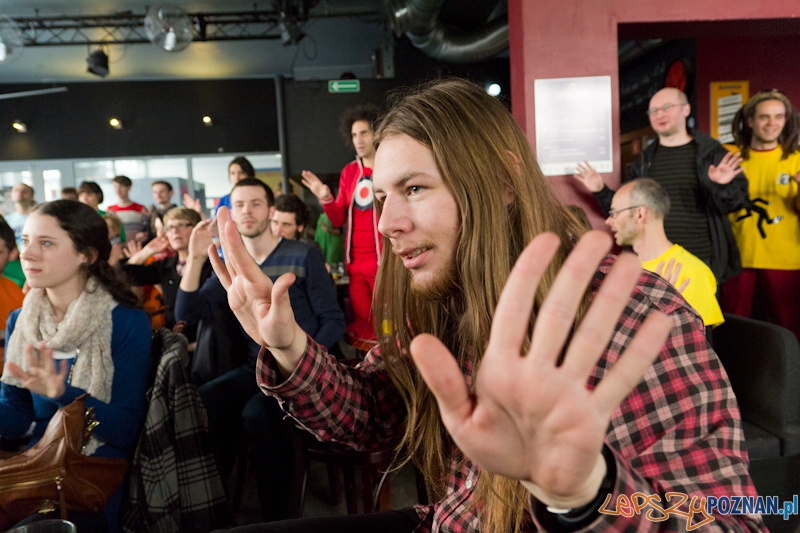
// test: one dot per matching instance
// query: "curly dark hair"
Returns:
(743, 133)
(89, 235)
(367, 112)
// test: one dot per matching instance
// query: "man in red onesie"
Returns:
(354, 205)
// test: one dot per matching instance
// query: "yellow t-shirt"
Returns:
(770, 178)
(701, 291)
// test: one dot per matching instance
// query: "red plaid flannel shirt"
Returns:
(679, 430)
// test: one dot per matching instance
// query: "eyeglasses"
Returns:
(614, 212)
(177, 227)
(664, 108)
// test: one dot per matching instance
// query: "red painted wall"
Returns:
(767, 62)
(566, 38)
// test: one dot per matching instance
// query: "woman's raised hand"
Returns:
(45, 375)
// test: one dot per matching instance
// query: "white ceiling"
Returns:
(334, 46)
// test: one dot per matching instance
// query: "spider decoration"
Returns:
(763, 216)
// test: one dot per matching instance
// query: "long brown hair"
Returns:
(743, 133)
(504, 201)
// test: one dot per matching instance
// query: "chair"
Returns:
(763, 363)
(374, 465)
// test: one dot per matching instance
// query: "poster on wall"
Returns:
(573, 124)
(726, 99)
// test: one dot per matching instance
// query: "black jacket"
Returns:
(719, 201)
(164, 272)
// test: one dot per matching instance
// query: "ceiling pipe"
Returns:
(418, 19)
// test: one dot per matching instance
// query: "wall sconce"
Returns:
(207, 121)
(115, 123)
(20, 126)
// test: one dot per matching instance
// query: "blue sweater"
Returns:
(313, 295)
(121, 420)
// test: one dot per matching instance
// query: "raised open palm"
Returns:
(528, 418)
(263, 308)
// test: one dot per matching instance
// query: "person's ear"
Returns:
(687, 110)
(89, 258)
(272, 212)
(300, 228)
(14, 255)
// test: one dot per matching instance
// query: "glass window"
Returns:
(52, 184)
(211, 174)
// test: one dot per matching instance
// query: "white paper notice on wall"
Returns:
(573, 124)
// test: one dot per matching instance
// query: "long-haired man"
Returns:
(516, 359)
(766, 131)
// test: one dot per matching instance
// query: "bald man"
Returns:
(704, 182)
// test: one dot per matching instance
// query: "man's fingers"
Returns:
(280, 294)
(676, 274)
(219, 267)
(627, 372)
(684, 285)
(440, 371)
(598, 325)
(513, 313)
(557, 314)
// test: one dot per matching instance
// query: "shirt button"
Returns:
(469, 483)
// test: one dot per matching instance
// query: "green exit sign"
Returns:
(344, 86)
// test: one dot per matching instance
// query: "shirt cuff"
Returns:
(300, 382)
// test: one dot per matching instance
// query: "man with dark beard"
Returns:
(232, 400)
(518, 392)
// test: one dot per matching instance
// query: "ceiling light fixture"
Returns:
(168, 27)
(19, 126)
(11, 41)
(290, 31)
(97, 63)
(115, 123)
(207, 121)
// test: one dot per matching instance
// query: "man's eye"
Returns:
(415, 189)
(46, 244)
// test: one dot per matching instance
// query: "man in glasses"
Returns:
(766, 131)
(703, 180)
(637, 220)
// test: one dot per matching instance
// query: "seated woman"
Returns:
(178, 225)
(89, 335)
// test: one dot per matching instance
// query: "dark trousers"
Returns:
(402, 521)
(239, 412)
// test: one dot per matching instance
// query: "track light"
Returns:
(19, 126)
(207, 121)
(115, 123)
(290, 31)
(97, 63)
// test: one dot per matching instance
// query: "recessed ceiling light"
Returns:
(207, 121)
(115, 123)
(21, 127)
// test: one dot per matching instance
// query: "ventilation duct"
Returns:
(418, 19)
